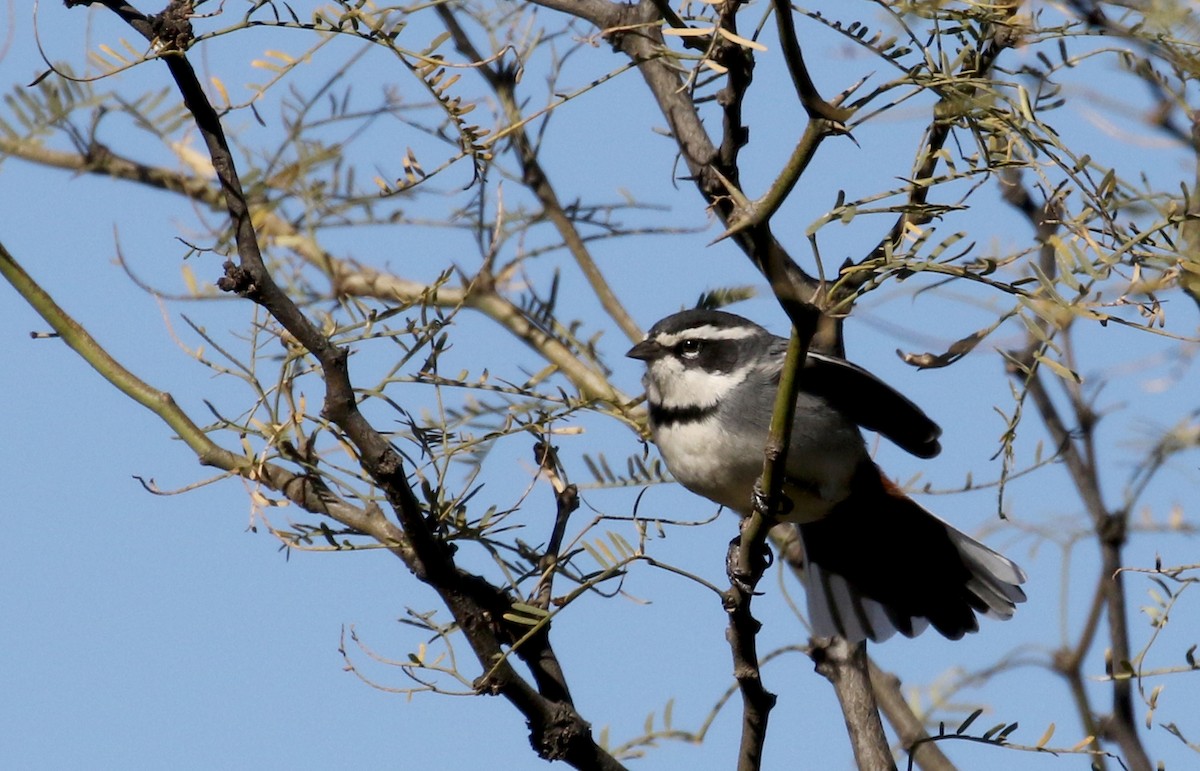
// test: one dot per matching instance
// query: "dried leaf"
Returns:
(739, 40)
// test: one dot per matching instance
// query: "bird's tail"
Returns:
(879, 563)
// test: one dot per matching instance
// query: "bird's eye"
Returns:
(690, 349)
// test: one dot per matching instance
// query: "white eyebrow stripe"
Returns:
(706, 332)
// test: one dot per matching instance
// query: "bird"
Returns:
(876, 562)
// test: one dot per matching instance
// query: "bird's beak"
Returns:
(645, 350)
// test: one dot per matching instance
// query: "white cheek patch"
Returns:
(671, 385)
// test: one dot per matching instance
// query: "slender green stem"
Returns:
(78, 339)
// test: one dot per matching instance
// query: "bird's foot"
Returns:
(745, 576)
(762, 503)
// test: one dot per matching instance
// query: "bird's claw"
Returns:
(762, 503)
(743, 577)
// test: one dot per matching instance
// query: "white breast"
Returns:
(722, 461)
(711, 462)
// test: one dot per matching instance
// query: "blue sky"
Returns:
(147, 632)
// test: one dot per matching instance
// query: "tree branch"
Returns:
(634, 30)
(503, 82)
(806, 89)
(846, 672)
(346, 278)
(845, 666)
(962, 90)
(558, 732)
(908, 727)
(305, 490)
(1077, 450)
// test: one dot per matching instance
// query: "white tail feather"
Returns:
(835, 608)
(851, 616)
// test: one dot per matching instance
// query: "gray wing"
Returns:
(871, 403)
(868, 401)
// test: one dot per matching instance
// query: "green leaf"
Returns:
(967, 723)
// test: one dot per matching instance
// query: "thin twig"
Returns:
(1078, 451)
(503, 81)
(558, 732)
